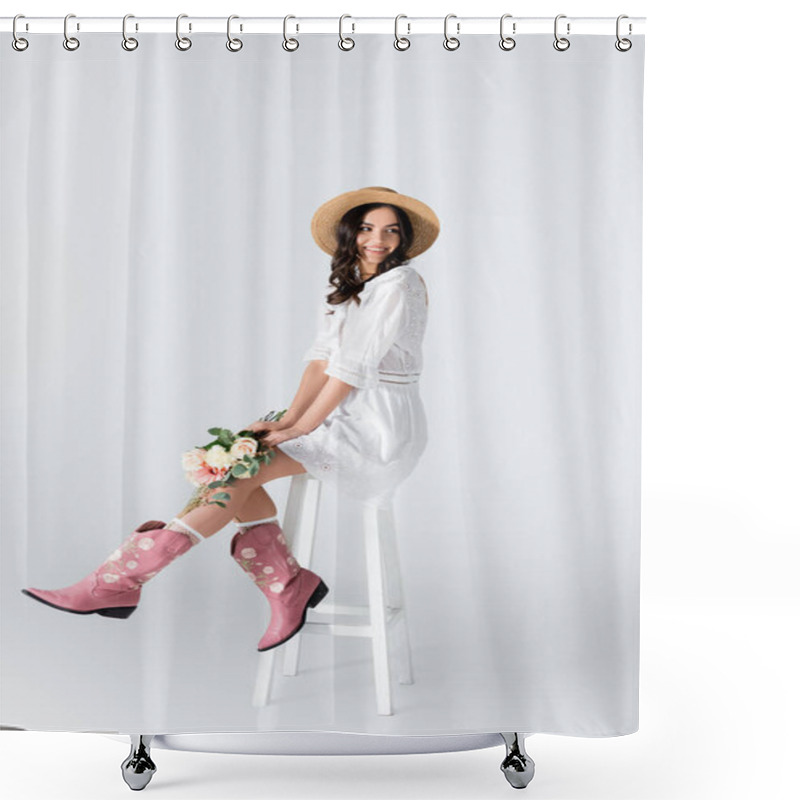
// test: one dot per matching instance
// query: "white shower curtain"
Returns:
(159, 278)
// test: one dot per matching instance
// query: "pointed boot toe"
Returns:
(86, 597)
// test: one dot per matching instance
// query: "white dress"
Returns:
(374, 438)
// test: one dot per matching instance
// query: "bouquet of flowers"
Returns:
(220, 462)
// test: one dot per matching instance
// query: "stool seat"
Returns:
(383, 613)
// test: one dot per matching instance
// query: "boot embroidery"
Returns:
(263, 574)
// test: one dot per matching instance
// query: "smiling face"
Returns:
(378, 235)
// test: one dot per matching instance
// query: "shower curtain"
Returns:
(159, 278)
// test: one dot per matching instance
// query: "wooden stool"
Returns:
(373, 621)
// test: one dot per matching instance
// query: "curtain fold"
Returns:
(159, 278)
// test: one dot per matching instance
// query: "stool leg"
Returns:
(266, 666)
(396, 597)
(304, 502)
(377, 609)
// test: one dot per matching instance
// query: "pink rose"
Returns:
(244, 446)
(193, 459)
(206, 475)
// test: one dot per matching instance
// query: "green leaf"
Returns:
(220, 496)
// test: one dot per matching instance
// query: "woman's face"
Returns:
(378, 235)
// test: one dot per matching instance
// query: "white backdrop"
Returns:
(160, 279)
(720, 435)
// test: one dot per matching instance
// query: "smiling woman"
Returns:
(378, 236)
(356, 422)
(370, 339)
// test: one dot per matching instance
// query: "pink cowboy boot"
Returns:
(261, 551)
(113, 589)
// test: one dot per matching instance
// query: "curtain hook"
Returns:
(342, 40)
(290, 45)
(560, 40)
(507, 42)
(70, 42)
(18, 43)
(128, 42)
(406, 43)
(451, 42)
(623, 45)
(182, 42)
(234, 45)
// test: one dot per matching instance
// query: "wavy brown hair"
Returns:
(343, 273)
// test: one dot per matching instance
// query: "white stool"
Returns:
(386, 605)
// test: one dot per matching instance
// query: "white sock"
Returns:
(248, 523)
(199, 536)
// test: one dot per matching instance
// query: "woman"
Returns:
(356, 422)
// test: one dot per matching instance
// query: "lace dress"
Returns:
(374, 438)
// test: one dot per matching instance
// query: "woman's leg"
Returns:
(206, 520)
(259, 505)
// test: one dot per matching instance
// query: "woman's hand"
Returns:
(272, 433)
(259, 427)
(278, 436)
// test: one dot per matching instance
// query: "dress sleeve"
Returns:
(327, 334)
(368, 333)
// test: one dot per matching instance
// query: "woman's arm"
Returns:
(314, 378)
(332, 393)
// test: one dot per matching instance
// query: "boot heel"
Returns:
(319, 594)
(123, 612)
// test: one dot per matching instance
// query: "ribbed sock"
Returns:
(250, 522)
(196, 537)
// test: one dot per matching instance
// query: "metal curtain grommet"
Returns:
(506, 42)
(128, 42)
(290, 45)
(350, 42)
(560, 43)
(401, 43)
(182, 42)
(623, 45)
(18, 43)
(451, 42)
(234, 45)
(70, 42)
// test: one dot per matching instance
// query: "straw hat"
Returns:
(327, 216)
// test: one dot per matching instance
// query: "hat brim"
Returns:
(326, 218)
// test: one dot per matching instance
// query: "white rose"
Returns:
(193, 459)
(269, 570)
(110, 577)
(276, 587)
(117, 554)
(244, 446)
(146, 543)
(248, 552)
(218, 457)
(132, 564)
